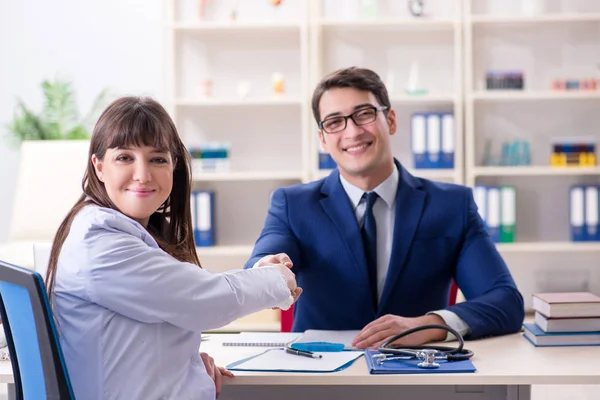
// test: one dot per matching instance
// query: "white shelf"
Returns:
(542, 18)
(386, 23)
(251, 101)
(225, 251)
(548, 247)
(534, 171)
(422, 99)
(200, 176)
(235, 26)
(525, 95)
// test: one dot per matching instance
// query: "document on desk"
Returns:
(316, 335)
(411, 366)
(277, 360)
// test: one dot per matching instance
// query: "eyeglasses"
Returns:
(361, 117)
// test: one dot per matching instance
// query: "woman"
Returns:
(124, 279)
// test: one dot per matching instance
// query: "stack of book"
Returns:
(565, 319)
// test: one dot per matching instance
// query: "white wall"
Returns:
(110, 43)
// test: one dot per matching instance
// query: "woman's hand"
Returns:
(215, 373)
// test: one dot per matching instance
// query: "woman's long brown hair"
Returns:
(131, 122)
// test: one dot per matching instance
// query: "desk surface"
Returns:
(507, 360)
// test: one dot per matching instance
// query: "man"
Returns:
(376, 248)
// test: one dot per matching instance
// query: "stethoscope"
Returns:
(427, 354)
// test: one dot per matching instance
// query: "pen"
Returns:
(302, 353)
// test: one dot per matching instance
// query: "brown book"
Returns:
(567, 304)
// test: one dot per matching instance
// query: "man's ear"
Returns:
(97, 167)
(322, 138)
(391, 120)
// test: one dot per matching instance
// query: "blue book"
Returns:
(538, 337)
(411, 367)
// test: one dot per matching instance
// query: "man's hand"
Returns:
(383, 328)
(278, 260)
(274, 259)
(215, 373)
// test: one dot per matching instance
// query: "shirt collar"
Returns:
(386, 189)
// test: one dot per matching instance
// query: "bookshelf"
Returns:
(274, 140)
(547, 41)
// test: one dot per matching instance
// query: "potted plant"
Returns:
(59, 119)
(54, 147)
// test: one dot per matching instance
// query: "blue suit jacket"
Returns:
(438, 236)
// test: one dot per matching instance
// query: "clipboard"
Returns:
(410, 366)
(277, 360)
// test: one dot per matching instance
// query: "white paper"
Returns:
(279, 360)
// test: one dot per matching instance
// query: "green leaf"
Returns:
(78, 133)
(59, 118)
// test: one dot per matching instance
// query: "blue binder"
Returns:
(577, 213)
(410, 366)
(204, 231)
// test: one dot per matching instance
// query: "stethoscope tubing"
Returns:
(457, 353)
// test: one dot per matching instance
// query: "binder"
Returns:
(194, 213)
(480, 197)
(411, 367)
(493, 213)
(447, 137)
(205, 234)
(418, 141)
(434, 139)
(508, 217)
(591, 213)
(325, 160)
(577, 213)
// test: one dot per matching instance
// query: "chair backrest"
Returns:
(37, 361)
(287, 316)
(41, 257)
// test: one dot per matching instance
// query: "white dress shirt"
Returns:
(384, 210)
(130, 316)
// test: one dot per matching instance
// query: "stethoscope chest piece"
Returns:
(427, 357)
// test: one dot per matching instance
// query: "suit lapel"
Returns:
(409, 207)
(337, 206)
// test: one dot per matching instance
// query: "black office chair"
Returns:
(37, 361)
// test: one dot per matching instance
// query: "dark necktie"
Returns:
(369, 237)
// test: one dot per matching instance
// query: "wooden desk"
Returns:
(506, 368)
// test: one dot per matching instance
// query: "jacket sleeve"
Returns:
(494, 305)
(124, 274)
(276, 236)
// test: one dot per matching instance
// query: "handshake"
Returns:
(283, 263)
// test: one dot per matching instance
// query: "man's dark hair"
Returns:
(353, 77)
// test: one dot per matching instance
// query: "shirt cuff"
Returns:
(453, 321)
(254, 266)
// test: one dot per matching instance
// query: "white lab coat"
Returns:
(130, 316)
